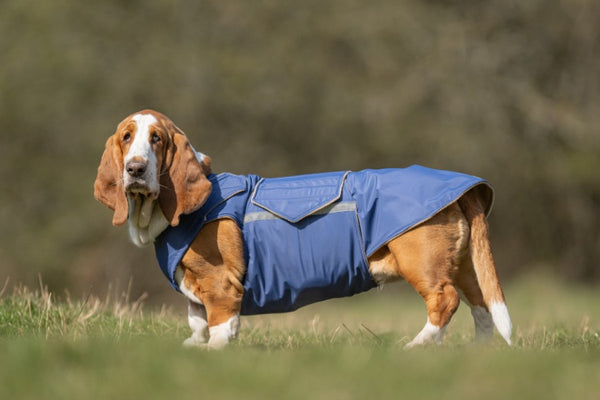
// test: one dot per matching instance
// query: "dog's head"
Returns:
(148, 157)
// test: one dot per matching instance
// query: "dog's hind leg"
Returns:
(427, 258)
(442, 302)
(466, 281)
(384, 268)
(483, 263)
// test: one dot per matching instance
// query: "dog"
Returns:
(237, 245)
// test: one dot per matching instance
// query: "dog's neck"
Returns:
(146, 220)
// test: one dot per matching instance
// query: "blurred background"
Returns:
(507, 90)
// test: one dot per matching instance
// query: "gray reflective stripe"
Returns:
(345, 206)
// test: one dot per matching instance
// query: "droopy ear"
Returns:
(184, 186)
(108, 188)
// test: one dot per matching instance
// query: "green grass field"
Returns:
(343, 349)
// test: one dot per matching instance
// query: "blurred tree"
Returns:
(502, 89)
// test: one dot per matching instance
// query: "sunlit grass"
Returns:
(92, 348)
(38, 313)
(545, 315)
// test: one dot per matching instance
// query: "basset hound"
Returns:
(236, 245)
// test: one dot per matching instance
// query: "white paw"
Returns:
(217, 342)
(195, 342)
(429, 334)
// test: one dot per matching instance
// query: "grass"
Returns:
(343, 349)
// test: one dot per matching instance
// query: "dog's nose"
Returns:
(136, 169)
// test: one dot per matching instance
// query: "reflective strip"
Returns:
(345, 206)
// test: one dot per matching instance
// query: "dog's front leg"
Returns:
(198, 324)
(215, 336)
(215, 317)
(221, 334)
(223, 307)
(211, 273)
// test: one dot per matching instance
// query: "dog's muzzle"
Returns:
(136, 178)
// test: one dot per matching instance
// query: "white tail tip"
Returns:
(502, 320)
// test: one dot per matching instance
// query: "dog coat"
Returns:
(307, 238)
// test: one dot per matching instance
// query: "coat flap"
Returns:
(294, 198)
(223, 187)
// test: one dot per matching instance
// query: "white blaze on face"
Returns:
(141, 150)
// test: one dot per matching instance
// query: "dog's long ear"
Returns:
(184, 186)
(108, 187)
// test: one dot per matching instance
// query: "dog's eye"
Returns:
(155, 138)
(126, 137)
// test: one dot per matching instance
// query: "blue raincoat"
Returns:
(307, 238)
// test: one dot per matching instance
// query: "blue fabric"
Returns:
(307, 238)
(225, 201)
(294, 197)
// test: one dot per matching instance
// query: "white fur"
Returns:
(484, 325)
(502, 320)
(141, 149)
(222, 333)
(429, 333)
(199, 155)
(187, 292)
(146, 220)
(198, 323)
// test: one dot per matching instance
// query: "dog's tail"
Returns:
(481, 254)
